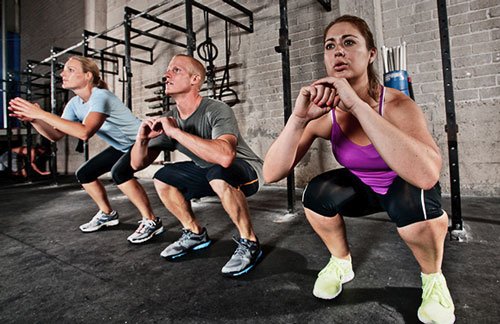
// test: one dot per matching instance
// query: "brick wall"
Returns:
(474, 30)
(475, 51)
(49, 23)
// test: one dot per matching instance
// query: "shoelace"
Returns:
(145, 223)
(435, 287)
(242, 248)
(186, 235)
(97, 217)
(332, 267)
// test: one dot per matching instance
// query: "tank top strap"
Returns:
(334, 123)
(381, 101)
(334, 132)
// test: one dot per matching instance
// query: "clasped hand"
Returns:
(25, 110)
(154, 127)
(322, 96)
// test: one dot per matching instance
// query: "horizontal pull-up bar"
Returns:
(221, 16)
(56, 55)
(157, 20)
(160, 38)
(117, 41)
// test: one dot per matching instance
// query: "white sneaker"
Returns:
(146, 230)
(437, 305)
(99, 220)
(330, 279)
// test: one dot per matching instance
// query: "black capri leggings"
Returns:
(341, 192)
(110, 159)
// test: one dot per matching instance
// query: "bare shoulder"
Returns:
(398, 107)
(401, 111)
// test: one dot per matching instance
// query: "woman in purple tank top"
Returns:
(391, 163)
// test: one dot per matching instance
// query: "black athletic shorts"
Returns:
(194, 181)
(341, 192)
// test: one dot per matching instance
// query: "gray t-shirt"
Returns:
(212, 119)
(120, 128)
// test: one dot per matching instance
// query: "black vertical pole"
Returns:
(5, 85)
(451, 125)
(85, 54)
(6, 99)
(123, 81)
(53, 105)
(128, 62)
(283, 48)
(191, 38)
(101, 54)
(29, 135)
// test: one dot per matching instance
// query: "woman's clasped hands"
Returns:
(322, 96)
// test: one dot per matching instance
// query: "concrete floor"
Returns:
(52, 273)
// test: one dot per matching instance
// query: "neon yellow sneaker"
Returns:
(437, 305)
(330, 279)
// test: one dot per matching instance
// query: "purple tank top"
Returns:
(363, 161)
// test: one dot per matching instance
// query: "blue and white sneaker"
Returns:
(99, 220)
(188, 242)
(246, 256)
(146, 230)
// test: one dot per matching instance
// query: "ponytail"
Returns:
(101, 84)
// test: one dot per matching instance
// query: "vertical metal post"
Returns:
(101, 53)
(128, 62)
(5, 97)
(190, 36)
(53, 105)
(283, 48)
(4, 65)
(451, 125)
(85, 54)
(29, 135)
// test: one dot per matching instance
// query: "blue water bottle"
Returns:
(397, 80)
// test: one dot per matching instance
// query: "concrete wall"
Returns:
(474, 30)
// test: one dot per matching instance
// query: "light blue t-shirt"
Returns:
(118, 130)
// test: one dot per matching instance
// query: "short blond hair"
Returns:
(196, 67)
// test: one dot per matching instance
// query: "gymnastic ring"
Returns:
(206, 51)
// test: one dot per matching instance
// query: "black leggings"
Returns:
(110, 159)
(341, 192)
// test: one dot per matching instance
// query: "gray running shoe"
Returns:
(99, 220)
(246, 256)
(146, 230)
(188, 241)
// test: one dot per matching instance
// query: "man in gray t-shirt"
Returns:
(222, 164)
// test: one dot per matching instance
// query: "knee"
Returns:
(162, 188)
(317, 200)
(219, 186)
(121, 173)
(83, 176)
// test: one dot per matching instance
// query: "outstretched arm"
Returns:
(52, 126)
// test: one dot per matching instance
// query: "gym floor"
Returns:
(52, 273)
